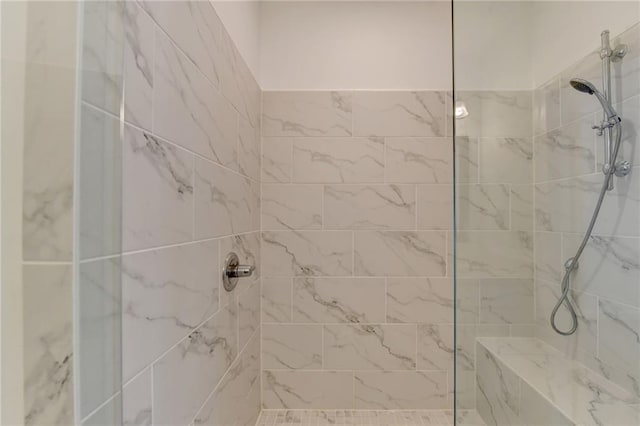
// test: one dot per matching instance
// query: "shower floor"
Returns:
(367, 418)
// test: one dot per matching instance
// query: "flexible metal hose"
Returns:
(572, 263)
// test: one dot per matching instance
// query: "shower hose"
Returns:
(572, 263)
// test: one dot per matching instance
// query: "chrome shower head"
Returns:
(582, 86)
(585, 86)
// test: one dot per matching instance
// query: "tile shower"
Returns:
(344, 202)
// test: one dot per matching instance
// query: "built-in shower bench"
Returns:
(524, 381)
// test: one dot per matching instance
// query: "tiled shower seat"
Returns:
(524, 381)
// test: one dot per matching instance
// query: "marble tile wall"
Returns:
(494, 213)
(568, 159)
(186, 178)
(356, 206)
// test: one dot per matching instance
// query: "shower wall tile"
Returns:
(505, 160)
(291, 346)
(497, 390)
(420, 300)
(248, 313)
(506, 301)
(291, 206)
(346, 217)
(565, 152)
(168, 292)
(138, 65)
(489, 254)
(307, 389)
(296, 253)
(496, 114)
(389, 253)
(188, 110)
(435, 207)
(307, 114)
(225, 202)
(47, 301)
(548, 256)
(277, 158)
(249, 149)
(521, 207)
(369, 207)
(401, 390)
(185, 375)
(338, 160)
(419, 160)
(630, 111)
(157, 177)
(367, 347)
(466, 159)
(387, 113)
(339, 300)
(435, 347)
(483, 206)
(546, 107)
(137, 409)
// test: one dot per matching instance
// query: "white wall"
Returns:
(564, 32)
(355, 45)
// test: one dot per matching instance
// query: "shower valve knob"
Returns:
(233, 271)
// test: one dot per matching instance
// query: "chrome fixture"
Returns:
(611, 122)
(233, 271)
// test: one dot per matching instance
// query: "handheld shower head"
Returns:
(585, 86)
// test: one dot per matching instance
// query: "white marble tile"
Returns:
(618, 330)
(138, 65)
(546, 107)
(466, 336)
(435, 207)
(48, 348)
(99, 330)
(483, 207)
(100, 193)
(391, 113)
(567, 205)
(505, 160)
(370, 347)
(248, 313)
(401, 390)
(195, 28)
(291, 206)
(277, 158)
(238, 83)
(399, 253)
(436, 347)
(497, 391)
(369, 207)
(289, 253)
(102, 54)
(419, 160)
(338, 160)
(521, 207)
(548, 256)
(157, 177)
(466, 159)
(47, 185)
(291, 346)
(565, 152)
(184, 377)
(233, 401)
(467, 300)
(465, 398)
(188, 110)
(307, 389)
(494, 254)
(498, 114)
(420, 300)
(225, 202)
(606, 260)
(629, 110)
(136, 401)
(319, 113)
(108, 414)
(166, 294)
(249, 149)
(276, 300)
(506, 301)
(536, 410)
(339, 300)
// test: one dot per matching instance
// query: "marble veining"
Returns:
(418, 160)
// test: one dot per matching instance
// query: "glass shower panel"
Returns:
(529, 170)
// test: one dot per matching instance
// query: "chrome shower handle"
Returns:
(233, 271)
